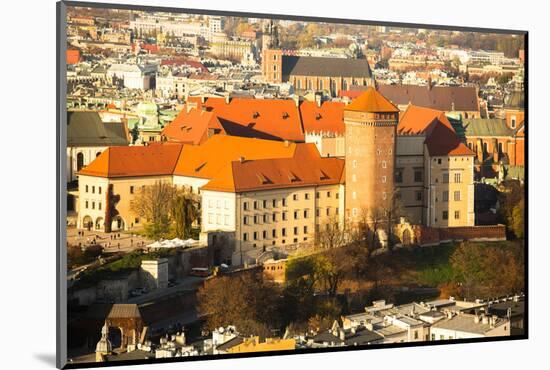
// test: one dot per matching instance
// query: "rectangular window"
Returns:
(86, 204)
(265, 203)
(318, 212)
(399, 175)
(317, 195)
(274, 203)
(284, 216)
(295, 230)
(305, 229)
(274, 217)
(306, 213)
(295, 215)
(418, 176)
(255, 205)
(255, 235)
(457, 215)
(245, 206)
(328, 194)
(264, 234)
(295, 197)
(245, 237)
(306, 196)
(457, 196)
(86, 188)
(93, 189)
(99, 206)
(445, 178)
(266, 218)
(458, 177)
(445, 215)
(93, 205)
(283, 231)
(131, 190)
(445, 196)
(418, 195)
(245, 220)
(328, 211)
(99, 189)
(284, 202)
(274, 233)
(255, 219)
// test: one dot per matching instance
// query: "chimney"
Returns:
(227, 99)
(241, 159)
(318, 99)
(203, 99)
(296, 99)
(286, 143)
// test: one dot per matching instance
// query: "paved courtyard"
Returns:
(111, 242)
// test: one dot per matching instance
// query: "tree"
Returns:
(489, 270)
(154, 204)
(517, 223)
(185, 211)
(332, 234)
(245, 300)
(166, 208)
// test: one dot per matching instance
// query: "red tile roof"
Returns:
(206, 160)
(184, 62)
(418, 120)
(443, 141)
(272, 119)
(329, 117)
(372, 101)
(306, 168)
(191, 127)
(127, 161)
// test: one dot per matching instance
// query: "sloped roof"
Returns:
(325, 67)
(419, 120)
(328, 117)
(87, 129)
(206, 160)
(444, 98)
(152, 160)
(191, 127)
(120, 310)
(306, 168)
(443, 141)
(515, 100)
(271, 119)
(486, 127)
(372, 101)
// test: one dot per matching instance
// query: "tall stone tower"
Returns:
(371, 127)
(272, 57)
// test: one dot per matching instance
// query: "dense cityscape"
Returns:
(248, 185)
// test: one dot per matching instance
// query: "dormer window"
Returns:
(285, 115)
(255, 115)
(318, 116)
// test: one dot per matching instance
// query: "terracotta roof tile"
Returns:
(419, 120)
(152, 160)
(329, 117)
(443, 141)
(372, 101)
(271, 119)
(192, 127)
(305, 168)
(206, 160)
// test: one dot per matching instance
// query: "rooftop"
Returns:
(372, 101)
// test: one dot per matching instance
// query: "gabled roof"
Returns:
(306, 168)
(372, 101)
(152, 160)
(191, 127)
(271, 119)
(325, 67)
(444, 98)
(443, 141)
(486, 127)
(515, 100)
(87, 129)
(419, 120)
(206, 160)
(328, 117)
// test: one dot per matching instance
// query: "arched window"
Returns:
(79, 161)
